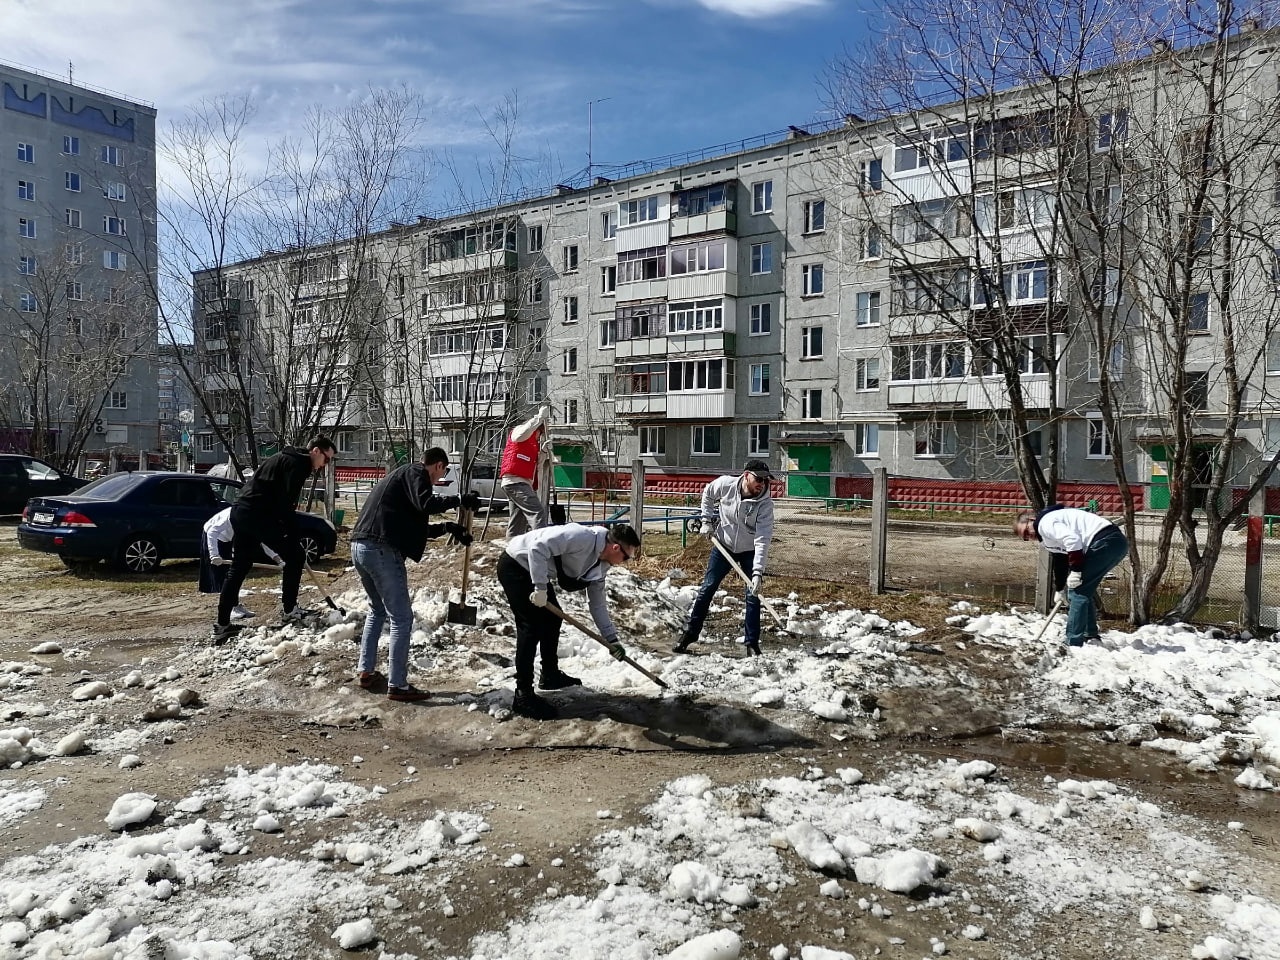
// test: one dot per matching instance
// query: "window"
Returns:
(343, 441)
(811, 404)
(713, 374)
(867, 309)
(1112, 130)
(571, 411)
(762, 197)
(609, 224)
(1106, 287)
(114, 226)
(866, 439)
(638, 211)
(535, 290)
(653, 441)
(206, 443)
(761, 318)
(111, 155)
(1115, 369)
(71, 146)
(692, 317)
(1108, 204)
(811, 343)
(608, 279)
(930, 220)
(74, 290)
(114, 191)
(942, 146)
(758, 439)
(812, 280)
(872, 174)
(28, 303)
(1197, 390)
(929, 361)
(1198, 313)
(706, 441)
(647, 264)
(815, 216)
(271, 305)
(935, 439)
(867, 374)
(536, 388)
(1097, 439)
(570, 309)
(759, 379)
(871, 243)
(571, 258)
(534, 238)
(1007, 440)
(537, 342)
(762, 258)
(119, 400)
(26, 153)
(26, 190)
(1026, 282)
(702, 257)
(73, 218)
(571, 360)
(27, 266)
(73, 182)
(75, 326)
(26, 228)
(703, 200)
(606, 333)
(1023, 209)
(605, 386)
(114, 260)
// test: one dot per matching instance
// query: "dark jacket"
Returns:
(397, 509)
(273, 490)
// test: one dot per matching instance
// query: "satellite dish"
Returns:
(186, 416)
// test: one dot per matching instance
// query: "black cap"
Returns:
(759, 468)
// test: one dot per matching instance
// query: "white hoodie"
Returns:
(742, 523)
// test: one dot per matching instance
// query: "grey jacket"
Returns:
(741, 523)
(579, 548)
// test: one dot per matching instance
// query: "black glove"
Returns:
(458, 533)
(447, 503)
(470, 501)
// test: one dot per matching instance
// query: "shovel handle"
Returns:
(464, 516)
(316, 583)
(1057, 605)
(575, 622)
(764, 601)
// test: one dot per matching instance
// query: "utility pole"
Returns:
(590, 112)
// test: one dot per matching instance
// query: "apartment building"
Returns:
(931, 292)
(77, 267)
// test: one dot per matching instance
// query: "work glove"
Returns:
(1074, 579)
(279, 561)
(757, 582)
(617, 650)
(448, 503)
(219, 561)
(1060, 597)
(458, 533)
(470, 501)
(708, 530)
(539, 597)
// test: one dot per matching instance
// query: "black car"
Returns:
(137, 519)
(23, 477)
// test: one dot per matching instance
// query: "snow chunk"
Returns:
(976, 829)
(690, 880)
(358, 933)
(814, 848)
(717, 945)
(900, 872)
(130, 809)
(92, 691)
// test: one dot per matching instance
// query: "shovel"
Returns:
(1057, 605)
(575, 622)
(315, 582)
(764, 601)
(460, 612)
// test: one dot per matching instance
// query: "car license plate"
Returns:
(46, 518)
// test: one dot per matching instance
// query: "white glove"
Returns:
(708, 530)
(757, 582)
(1060, 597)
(219, 561)
(539, 597)
(280, 562)
(1074, 579)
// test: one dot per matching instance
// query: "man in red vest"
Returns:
(518, 474)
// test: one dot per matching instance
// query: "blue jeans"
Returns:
(1082, 608)
(381, 569)
(717, 569)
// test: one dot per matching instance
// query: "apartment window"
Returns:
(1108, 204)
(867, 309)
(28, 303)
(27, 266)
(761, 316)
(605, 386)
(812, 280)
(706, 441)
(26, 153)
(695, 316)
(762, 258)
(571, 258)
(1026, 282)
(811, 343)
(758, 439)
(1106, 287)
(759, 379)
(1022, 209)
(702, 257)
(26, 228)
(866, 439)
(73, 181)
(945, 218)
(571, 411)
(653, 441)
(114, 260)
(343, 442)
(929, 361)
(815, 216)
(935, 439)
(73, 218)
(71, 146)
(647, 264)
(811, 404)
(536, 388)
(74, 290)
(26, 190)
(867, 374)
(535, 290)
(1115, 369)
(609, 279)
(534, 238)
(609, 224)
(271, 305)
(119, 400)
(1196, 391)
(871, 243)
(75, 326)
(638, 211)
(570, 309)
(762, 197)
(872, 174)
(206, 443)
(114, 226)
(1097, 439)
(1198, 313)
(537, 339)
(571, 360)
(114, 191)
(713, 374)
(111, 155)
(1112, 129)
(606, 333)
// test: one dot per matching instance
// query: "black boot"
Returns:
(684, 642)
(528, 704)
(557, 679)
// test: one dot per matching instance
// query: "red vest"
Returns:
(520, 459)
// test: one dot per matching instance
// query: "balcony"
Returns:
(655, 289)
(640, 404)
(697, 286)
(483, 310)
(332, 416)
(489, 261)
(693, 405)
(721, 220)
(640, 347)
(222, 307)
(989, 393)
(712, 341)
(938, 393)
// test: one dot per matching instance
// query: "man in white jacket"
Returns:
(737, 511)
(1085, 548)
(215, 558)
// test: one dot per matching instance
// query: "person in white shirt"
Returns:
(527, 448)
(215, 558)
(1085, 548)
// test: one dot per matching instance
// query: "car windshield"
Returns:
(110, 488)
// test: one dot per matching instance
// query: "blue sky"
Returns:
(678, 74)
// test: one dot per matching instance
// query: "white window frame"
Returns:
(26, 152)
(609, 224)
(1206, 297)
(653, 441)
(813, 280)
(27, 266)
(28, 303)
(113, 190)
(114, 260)
(758, 439)
(115, 226)
(27, 228)
(759, 384)
(111, 155)
(760, 319)
(695, 316)
(534, 293)
(867, 306)
(74, 290)
(867, 375)
(1111, 129)
(639, 210)
(1096, 439)
(871, 243)
(571, 312)
(866, 440)
(762, 258)
(70, 146)
(534, 237)
(608, 279)
(571, 411)
(762, 196)
(807, 337)
(118, 400)
(699, 436)
(73, 254)
(570, 360)
(808, 397)
(570, 258)
(1118, 350)
(940, 440)
(206, 442)
(815, 216)
(27, 190)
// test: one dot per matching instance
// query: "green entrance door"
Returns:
(569, 472)
(812, 474)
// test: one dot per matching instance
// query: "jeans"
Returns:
(717, 569)
(537, 628)
(527, 511)
(381, 569)
(1082, 607)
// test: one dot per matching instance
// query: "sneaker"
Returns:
(409, 694)
(683, 643)
(753, 649)
(239, 612)
(222, 632)
(370, 679)
(529, 704)
(557, 680)
(297, 614)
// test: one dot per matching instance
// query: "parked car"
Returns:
(135, 520)
(484, 481)
(23, 477)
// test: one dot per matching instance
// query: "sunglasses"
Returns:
(626, 557)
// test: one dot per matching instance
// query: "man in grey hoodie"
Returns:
(737, 512)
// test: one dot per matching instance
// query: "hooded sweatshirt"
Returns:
(741, 523)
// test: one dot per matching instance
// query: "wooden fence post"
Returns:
(1251, 603)
(879, 526)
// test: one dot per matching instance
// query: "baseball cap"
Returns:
(759, 468)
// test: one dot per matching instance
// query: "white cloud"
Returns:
(760, 9)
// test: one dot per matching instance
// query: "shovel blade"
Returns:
(461, 613)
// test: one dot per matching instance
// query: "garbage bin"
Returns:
(339, 515)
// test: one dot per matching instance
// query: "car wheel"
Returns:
(310, 548)
(140, 554)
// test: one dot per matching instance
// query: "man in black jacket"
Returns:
(266, 513)
(394, 524)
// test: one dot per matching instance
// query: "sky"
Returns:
(662, 76)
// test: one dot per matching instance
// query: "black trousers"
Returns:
(251, 529)
(537, 629)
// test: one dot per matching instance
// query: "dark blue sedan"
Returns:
(134, 520)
